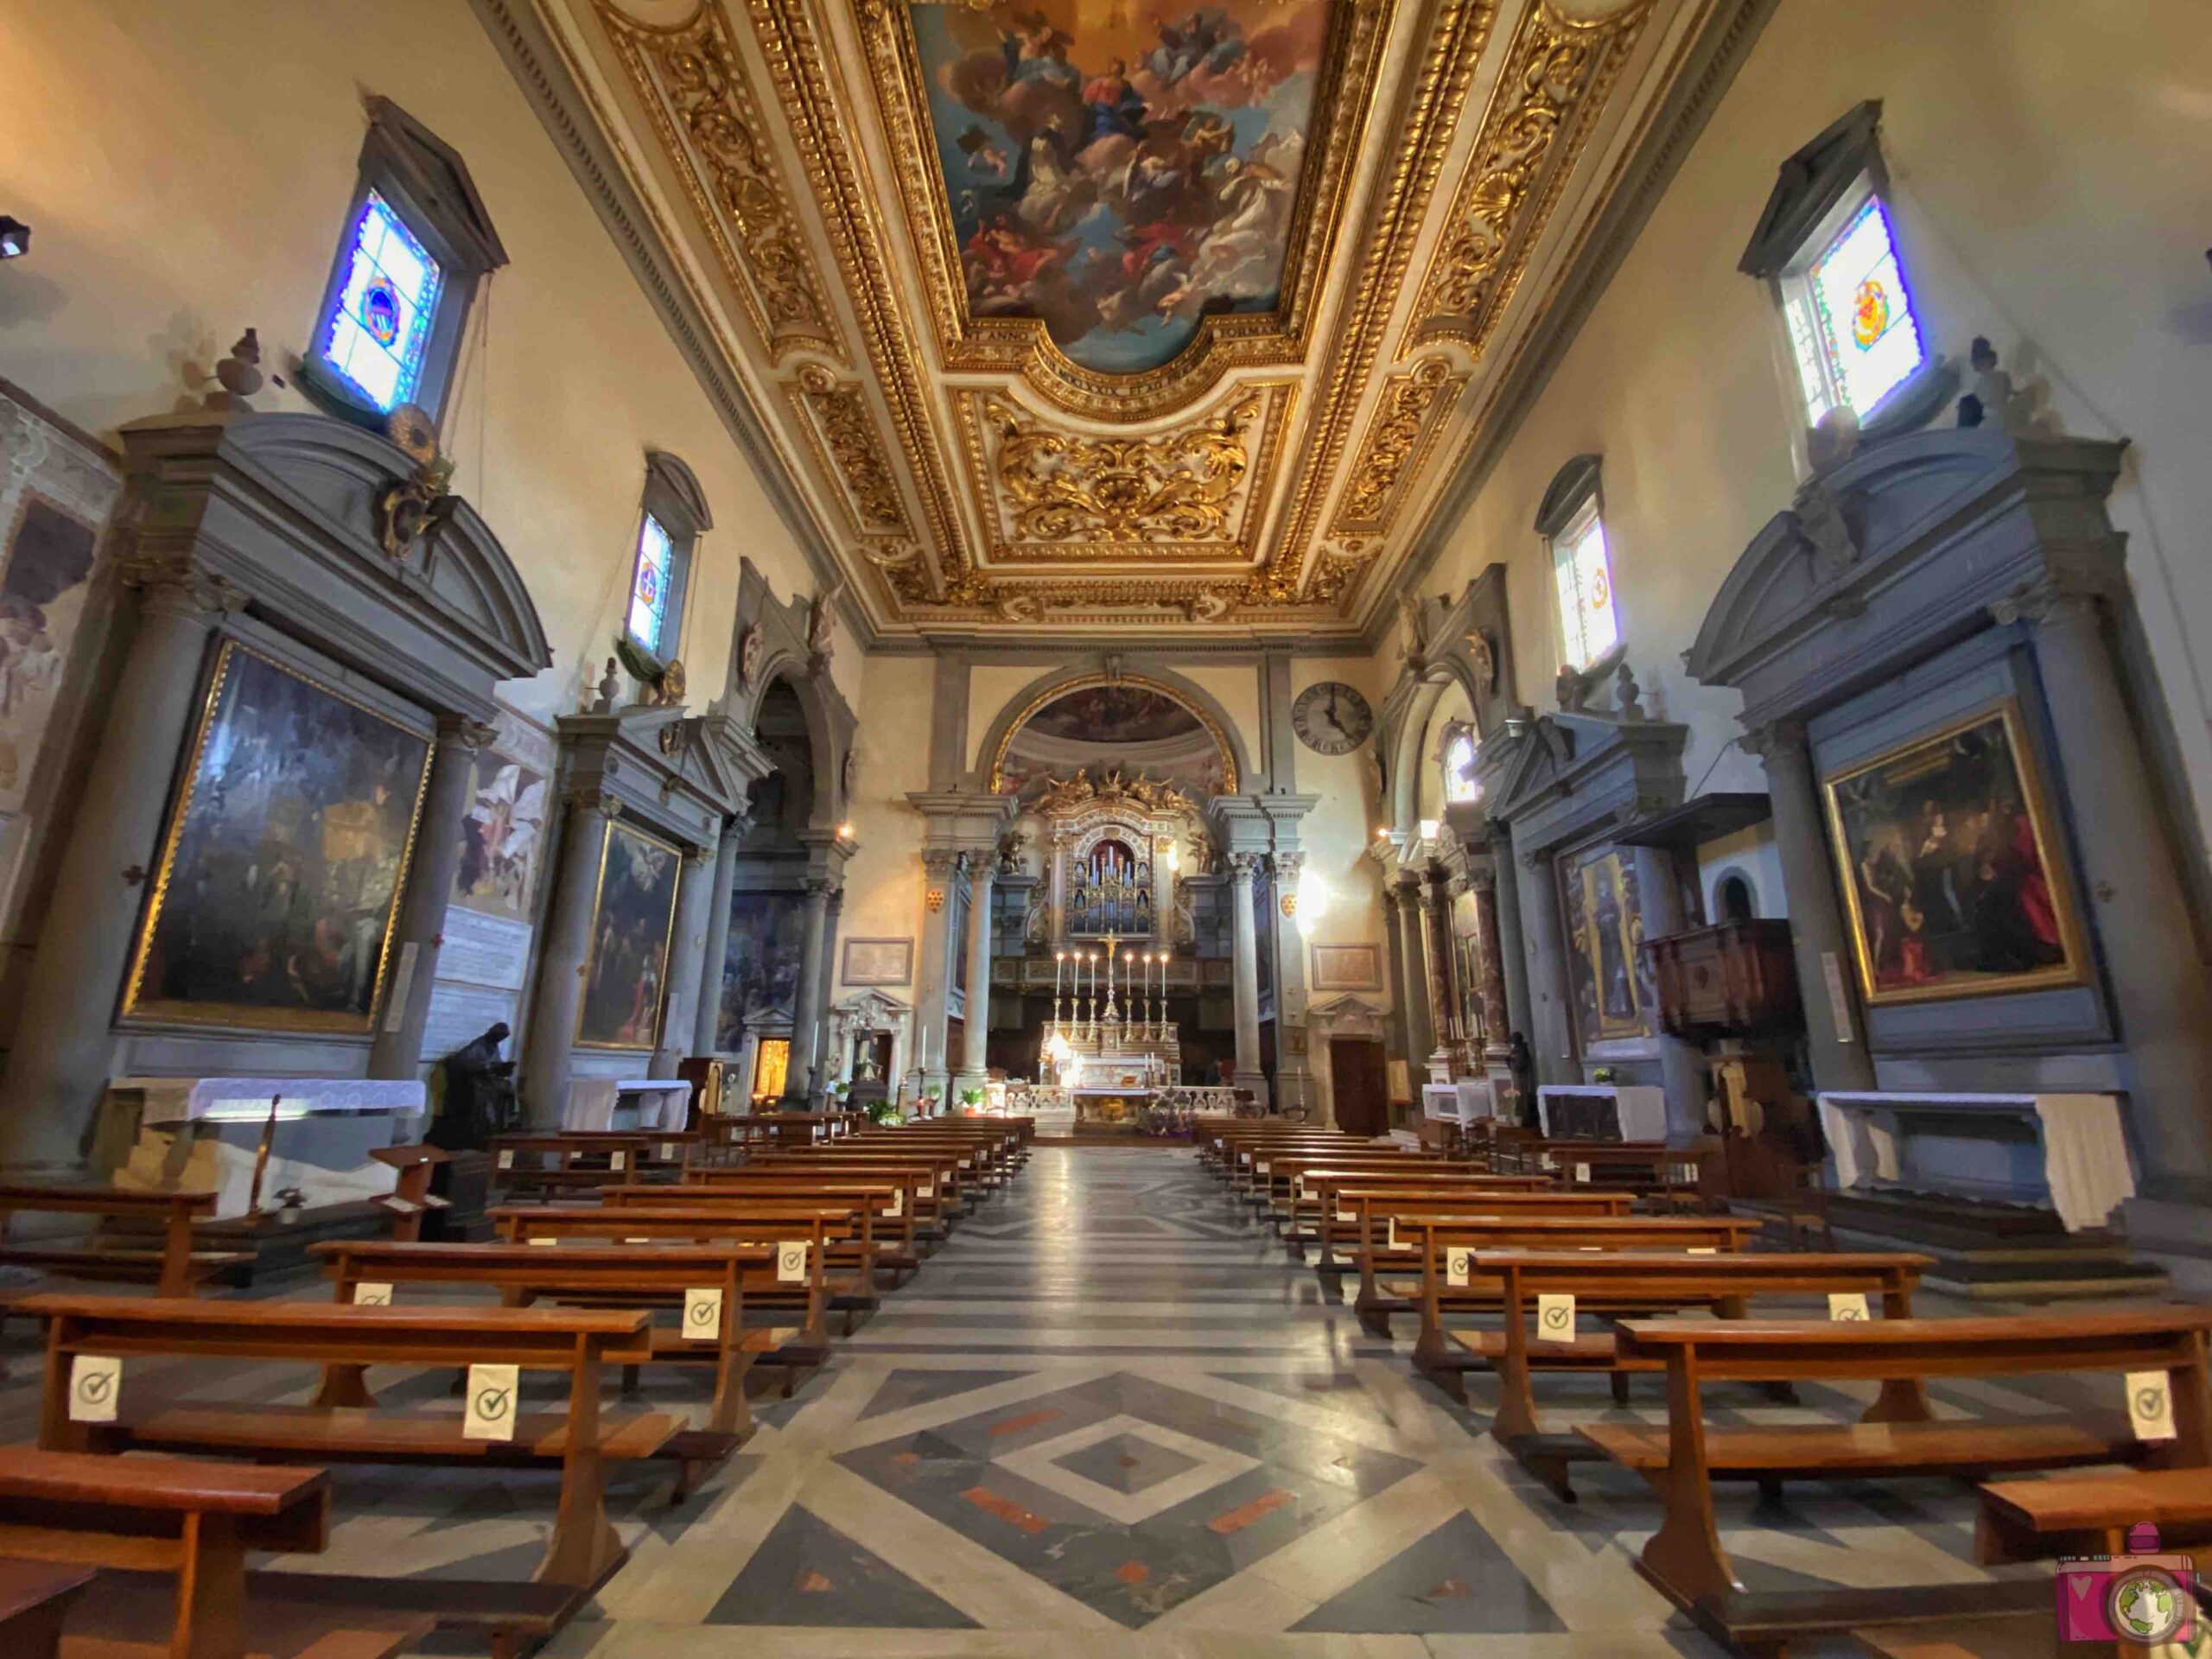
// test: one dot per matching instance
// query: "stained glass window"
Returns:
(1586, 618)
(1460, 783)
(1851, 320)
(650, 587)
(380, 326)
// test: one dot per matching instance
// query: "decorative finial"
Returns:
(610, 687)
(1626, 692)
(239, 374)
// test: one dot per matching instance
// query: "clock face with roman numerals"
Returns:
(1331, 718)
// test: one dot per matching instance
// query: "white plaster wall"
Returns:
(1335, 834)
(2051, 166)
(185, 166)
(1235, 686)
(883, 879)
(990, 687)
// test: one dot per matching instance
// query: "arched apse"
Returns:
(1416, 780)
(1154, 723)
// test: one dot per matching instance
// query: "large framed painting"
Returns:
(286, 854)
(631, 921)
(1604, 915)
(503, 830)
(761, 961)
(1947, 853)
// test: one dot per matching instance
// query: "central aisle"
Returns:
(1113, 1416)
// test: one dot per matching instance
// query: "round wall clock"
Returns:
(1331, 718)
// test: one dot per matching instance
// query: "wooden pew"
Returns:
(1372, 1245)
(582, 1161)
(583, 1548)
(1684, 1559)
(2092, 1514)
(947, 1175)
(1611, 1283)
(1324, 1193)
(893, 1205)
(661, 1275)
(1433, 1237)
(818, 1224)
(175, 1267)
(189, 1521)
(34, 1597)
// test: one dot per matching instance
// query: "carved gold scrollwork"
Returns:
(1556, 80)
(1178, 486)
(850, 449)
(1406, 421)
(694, 86)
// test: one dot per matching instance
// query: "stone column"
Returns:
(1443, 970)
(418, 931)
(563, 959)
(939, 870)
(63, 1046)
(1681, 1067)
(975, 1017)
(1413, 972)
(2137, 907)
(1550, 1010)
(1490, 965)
(825, 1063)
(1294, 1036)
(687, 959)
(707, 1013)
(1832, 1033)
(806, 998)
(1512, 939)
(1244, 974)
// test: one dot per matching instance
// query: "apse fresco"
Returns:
(1118, 171)
(1136, 727)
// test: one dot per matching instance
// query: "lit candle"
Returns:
(1059, 961)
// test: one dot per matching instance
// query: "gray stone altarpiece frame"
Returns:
(1912, 580)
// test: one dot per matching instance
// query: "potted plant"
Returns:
(932, 1093)
(883, 1111)
(972, 1100)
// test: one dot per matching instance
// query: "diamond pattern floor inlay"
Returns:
(1112, 1417)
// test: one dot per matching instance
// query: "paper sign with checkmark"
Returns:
(790, 1262)
(491, 1390)
(1848, 1306)
(1555, 1318)
(1455, 1266)
(2151, 1405)
(702, 1314)
(369, 1295)
(95, 1385)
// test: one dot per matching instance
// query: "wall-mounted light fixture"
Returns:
(15, 238)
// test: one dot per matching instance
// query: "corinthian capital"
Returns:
(1244, 865)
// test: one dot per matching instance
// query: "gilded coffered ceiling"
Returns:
(1113, 315)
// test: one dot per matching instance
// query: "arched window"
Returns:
(1459, 760)
(672, 514)
(1734, 897)
(1572, 522)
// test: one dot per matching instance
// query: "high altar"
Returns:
(1111, 915)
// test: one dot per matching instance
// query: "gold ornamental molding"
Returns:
(1414, 408)
(1559, 75)
(1053, 494)
(1054, 693)
(839, 425)
(695, 90)
(1022, 346)
(1429, 115)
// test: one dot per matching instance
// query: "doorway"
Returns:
(1356, 1084)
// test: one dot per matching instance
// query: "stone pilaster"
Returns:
(707, 1013)
(60, 1064)
(1512, 938)
(687, 959)
(826, 1062)
(1294, 1083)
(1442, 966)
(1682, 1068)
(1413, 971)
(1550, 1009)
(563, 959)
(419, 930)
(806, 999)
(929, 1061)
(1490, 947)
(1834, 1032)
(1244, 974)
(976, 1015)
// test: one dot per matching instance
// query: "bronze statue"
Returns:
(479, 1100)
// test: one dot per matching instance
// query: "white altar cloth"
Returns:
(1641, 1107)
(663, 1102)
(245, 1100)
(2084, 1147)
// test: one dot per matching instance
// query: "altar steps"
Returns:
(1990, 1251)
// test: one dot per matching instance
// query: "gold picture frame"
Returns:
(1973, 896)
(588, 1006)
(271, 959)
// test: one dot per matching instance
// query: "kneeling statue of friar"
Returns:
(479, 1094)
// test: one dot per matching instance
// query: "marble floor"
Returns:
(1112, 1416)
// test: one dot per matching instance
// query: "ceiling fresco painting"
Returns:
(1094, 730)
(1113, 315)
(1117, 173)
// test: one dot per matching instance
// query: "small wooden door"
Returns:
(1356, 1082)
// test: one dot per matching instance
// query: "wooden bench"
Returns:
(34, 1597)
(2092, 1514)
(192, 1522)
(891, 1203)
(1684, 1559)
(1350, 1206)
(608, 1275)
(1611, 1283)
(580, 1160)
(583, 1548)
(1427, 1240)
(174, 1268)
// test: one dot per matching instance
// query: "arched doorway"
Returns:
(764, 956)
